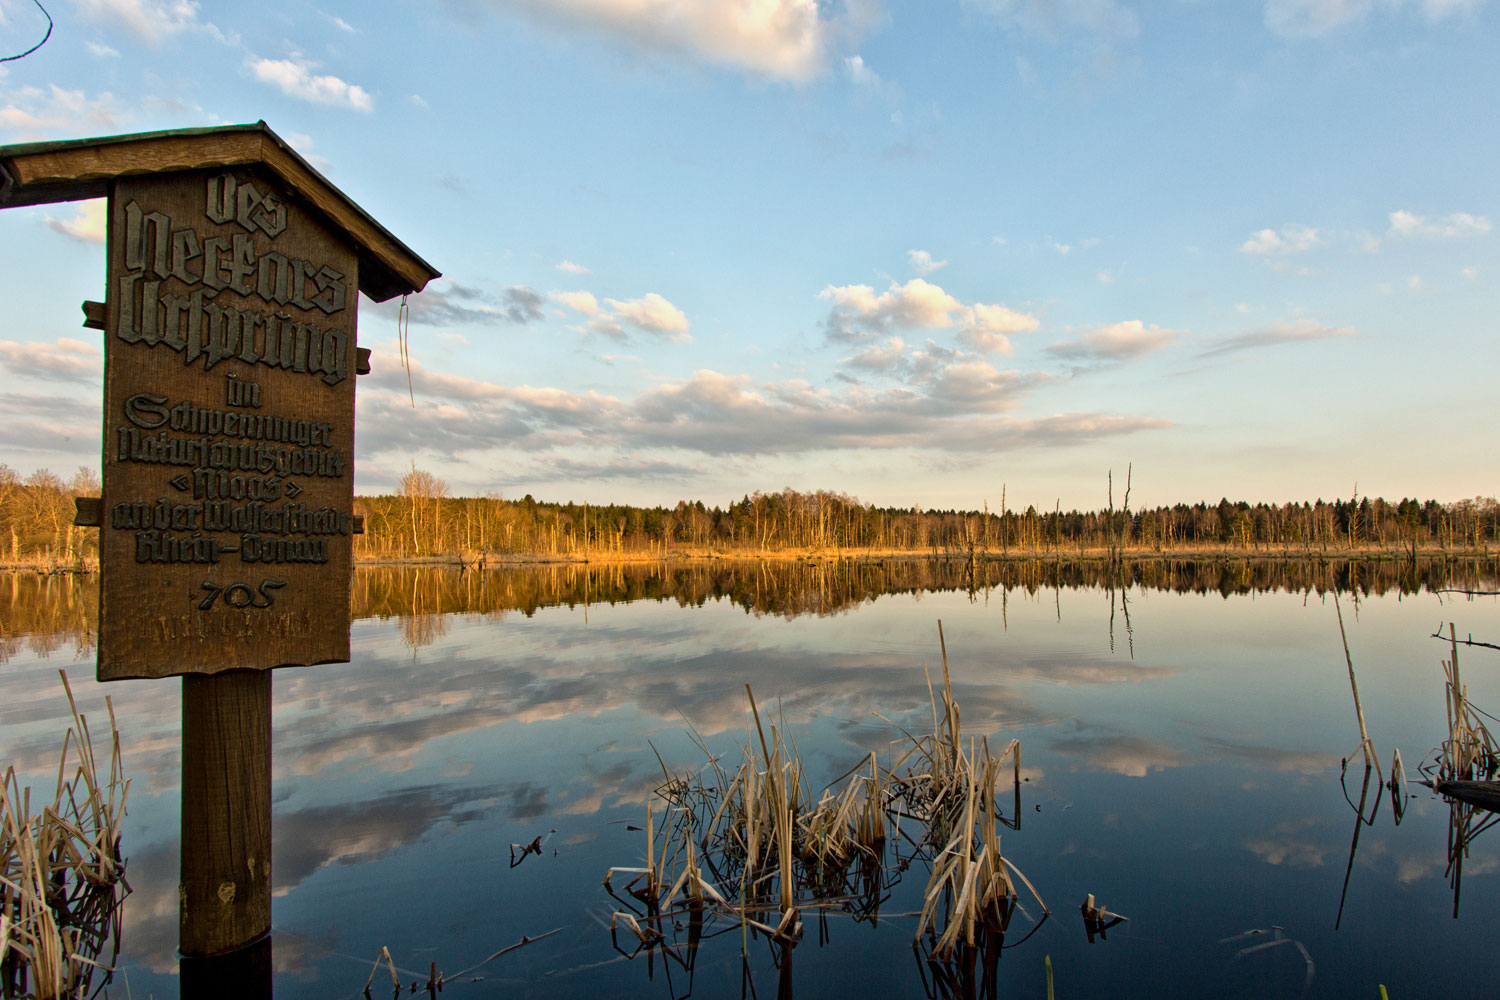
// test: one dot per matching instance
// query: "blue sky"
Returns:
(915, 252)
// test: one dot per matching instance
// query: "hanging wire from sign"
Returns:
(403, 334)
(23, 55)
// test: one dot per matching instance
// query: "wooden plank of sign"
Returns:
(73, 170)
(228, 524)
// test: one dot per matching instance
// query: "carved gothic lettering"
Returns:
(150, 327)
(246, 203)
(142, 228)
(242, 265)
(173, 310)
(145, 410)
(334, 356)
(223, 340)
(185, 246)
(125, 328)
(331, 290)
(301, 271)
(221, 198)
(213, 275)
(274, 278)
(249, 320)
(270, 216)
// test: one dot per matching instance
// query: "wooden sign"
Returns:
(226, 534)
(230, 357)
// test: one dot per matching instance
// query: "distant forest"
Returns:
(421, 521)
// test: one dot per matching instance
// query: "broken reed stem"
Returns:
(1364, 736)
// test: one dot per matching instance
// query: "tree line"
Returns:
(36, 518)
(421, 520)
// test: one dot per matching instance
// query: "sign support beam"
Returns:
(226, 811)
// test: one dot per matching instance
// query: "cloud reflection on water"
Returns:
(497, 727)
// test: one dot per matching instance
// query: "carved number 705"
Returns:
(239, 595)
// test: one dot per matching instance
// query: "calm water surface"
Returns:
(1182, 737)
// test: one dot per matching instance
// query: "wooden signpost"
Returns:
(226, 522)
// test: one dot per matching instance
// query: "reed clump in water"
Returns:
(757, 847)
(1463, 769)
(62, 876)
(1470, 752)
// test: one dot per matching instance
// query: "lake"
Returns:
(1182, 725)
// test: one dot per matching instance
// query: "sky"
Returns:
(923, 253)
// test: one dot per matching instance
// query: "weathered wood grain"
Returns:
(229, 372)
(226, 811)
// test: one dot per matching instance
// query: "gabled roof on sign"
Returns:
(41, 173)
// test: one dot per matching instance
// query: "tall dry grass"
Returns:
(62, 876)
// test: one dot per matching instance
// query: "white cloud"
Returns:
(296, 78)
(1302, 332)
(151, 21)
(1114, 342)
(949, 403)
(1307, 18)
(87, 224)
(858, 312)
(1455, 226)
(987, 326)
(1289, 240)
(447, 302)
(583, 302)
(303, 144)
(68, 360)
(340, 23)
(32, 111)
(921, 261)
(103, 51)
(859, 315)
(567, 266)
(653, 314)
(1470, 272)
(417, 101)
(781, 39)
(860, 74)
(1000, 319)
(885, 357)
(1415, 284)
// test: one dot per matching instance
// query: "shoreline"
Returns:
(508, 560)
(1133, 554)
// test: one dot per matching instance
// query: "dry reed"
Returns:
(62, 876)
(757, 848)
(1470, 752)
